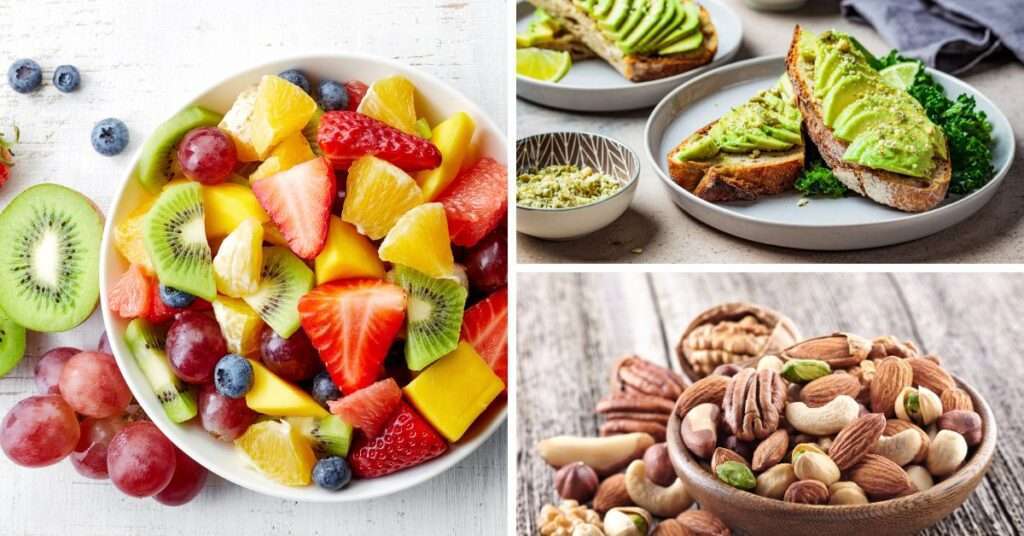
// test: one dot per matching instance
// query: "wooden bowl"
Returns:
(747, 513)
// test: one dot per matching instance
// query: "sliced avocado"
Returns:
(764, 141)
(701, 148)
(538, 31)
(737, 145)
(825, 67)
(651, 18)
(671, 18)
(690, 24)
(636, 13)
(789, 137)
(875, 150)
(146, 343)
(785, 87)
(615, 18)
(849, 89)
(601, 9)
(686, 44)
(862, 122)
(871, 59)
(586, 5)
(808, 45)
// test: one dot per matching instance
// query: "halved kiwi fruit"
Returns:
(434, 316)
(283, 280)
(146, 343)
(312, 129)
(154, 164)
(49, 262)
(329, 435)
(174, 233)
(12, 344)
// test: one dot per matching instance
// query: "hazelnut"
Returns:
(657, 466)
(963, 422)
(576, 481)
(727, 369)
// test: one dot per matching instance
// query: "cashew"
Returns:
(919, 405)
(770, 362)
(660, 501)
(947, 451)
(825, 420)
(604, 454)
(627, 521)
(774, 482)
(846, 493)
(815, 466)
(901, 448)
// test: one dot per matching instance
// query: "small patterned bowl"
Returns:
(582, 149)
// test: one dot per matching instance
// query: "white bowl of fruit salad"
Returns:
(308, 302)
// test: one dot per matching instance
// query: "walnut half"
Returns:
(733, 333)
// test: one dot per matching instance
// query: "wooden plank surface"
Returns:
(141, 59)
(572, 326)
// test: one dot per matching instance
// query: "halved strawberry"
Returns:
(352, 323)
(485, 328)
(298, 200)
(370, 408)
(132, 295)
(406, 441)
(345, 136)
(161, 313)
(356, 91)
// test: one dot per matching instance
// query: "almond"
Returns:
(840, 350)
(823, 390)
(710, 389)
(928, 374)
(702, 523)
(891, 376)
(807, 492)
(956, 398)
(771, 451)
(856, 439)
(669, 527)
(881, 478)
(612, 494)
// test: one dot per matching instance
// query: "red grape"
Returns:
(293, 359)
(207, 155)
(487, 263)
(48, 369)
(40, 430)
(188, 480)
(194, 345)
(141, 460)
(92, 384)
(226, 418)
(90, 455)
(104, 345)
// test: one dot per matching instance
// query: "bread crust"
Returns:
(902, 192)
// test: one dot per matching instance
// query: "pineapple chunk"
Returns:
(236, 124)
(236, 268)
(239, 324)
(281, 109)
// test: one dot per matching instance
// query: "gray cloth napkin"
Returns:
(950, 35)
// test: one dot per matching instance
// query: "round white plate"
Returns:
(435, 100)
(594, 86)
(852, 222)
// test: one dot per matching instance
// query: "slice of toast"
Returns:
(736, 177)
(567, 42)
(903, 192)
(636, 68)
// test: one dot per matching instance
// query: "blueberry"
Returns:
(178, 299)
(323, 389)
(332, 473)
(66, 78)
(333, 96)
(296, 77)
(233, 376)
(25, 76)
(110, 136)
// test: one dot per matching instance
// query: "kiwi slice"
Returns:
(154, 163)
(434, 316)
(49, 262)
(174, 234)
(329, 435)
(311, 130)
(12, 344)
(283, 280)
(146, 343)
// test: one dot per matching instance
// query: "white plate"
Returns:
(594, 86)
(853, 222)
(435, 100)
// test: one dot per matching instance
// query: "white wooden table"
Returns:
(140, 59)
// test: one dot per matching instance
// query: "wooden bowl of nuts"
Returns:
(840, 443)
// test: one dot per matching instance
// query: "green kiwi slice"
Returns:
(49, 262)
(329, 435)
(311, 130)
(434, 316)
(154, 168)
(146, 343)
(283, 280)
(12, 344)
(174, 234)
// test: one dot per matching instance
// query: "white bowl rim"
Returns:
(170, 429)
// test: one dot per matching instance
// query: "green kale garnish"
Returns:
(817, 180)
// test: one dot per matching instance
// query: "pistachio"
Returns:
(723, 455)
(803, 448)
(807, 492)
(815, 466)
(920, 477)
(770, 362)
(846, 493)
(774, 482)
(920, 405)
(805, 370)
(627, 521)
(736, 475)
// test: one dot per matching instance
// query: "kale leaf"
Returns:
(817, 180)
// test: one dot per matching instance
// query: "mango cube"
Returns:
(281, 109)
(454, 391)
(228, 204)
(452, 137)
(419, 239)
(346, 254)
(240, 325)
(291, 152)
(271, 395)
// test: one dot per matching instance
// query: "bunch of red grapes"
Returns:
(85, 413)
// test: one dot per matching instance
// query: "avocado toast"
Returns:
(754, 149)
(642, 39)
(876, 138)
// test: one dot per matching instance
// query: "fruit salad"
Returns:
(319, 280)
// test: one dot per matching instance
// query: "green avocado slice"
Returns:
(786, 135)
(585, 5)
(849, 89)
(601, 9)
(701, 148)
(766, 142)
(636, 13)
(824, 69)
(616, 16)
(651, 18)
(686, 44)
(670, 19)
(690, 23)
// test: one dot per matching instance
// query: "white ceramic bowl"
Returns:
(601, 153)
(435, 100)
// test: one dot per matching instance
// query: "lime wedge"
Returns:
(547, 65)
(901, 75)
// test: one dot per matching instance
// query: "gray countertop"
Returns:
(662, 233)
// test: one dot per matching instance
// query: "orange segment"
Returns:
(128, 237)
(452, 137)
(378, 194)
(279, 451)
(281, 109)
(236, 123)
(291, 152)
(393, 101)
(419, 240)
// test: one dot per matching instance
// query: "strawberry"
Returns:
(6, 157)
(299, 201)
(352, 323)
(356, 91)
(132, 295)
(161, 313)
(485, 327)
(406, 441)
(370, 408)
(345, 136)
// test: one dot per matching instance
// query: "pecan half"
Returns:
(733, 333)
(629, 426)
(633, 374)
(753, 403)
(634, 402)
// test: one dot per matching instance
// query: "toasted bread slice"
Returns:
(903, 192)
(567, 42)
(636, 68)
(736, 177)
